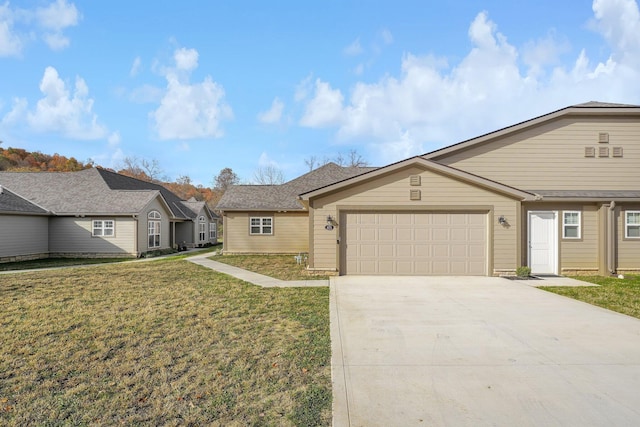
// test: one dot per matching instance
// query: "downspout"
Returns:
(135, 233)
(611, 238)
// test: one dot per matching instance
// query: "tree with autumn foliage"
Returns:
(21, 160)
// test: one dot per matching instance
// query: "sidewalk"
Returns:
(251, 277)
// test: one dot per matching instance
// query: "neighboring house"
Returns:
(92, 213)
(559, 193)
(271, 218)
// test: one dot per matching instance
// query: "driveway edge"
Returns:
(340, 405)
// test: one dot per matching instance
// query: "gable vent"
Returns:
(414, 180)
(603, 151)
(603, 137)
(589, 151)
(617, 151)
(415, 195)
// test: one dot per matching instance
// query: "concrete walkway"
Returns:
(251, 277)
(481, 351)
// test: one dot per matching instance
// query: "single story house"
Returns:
(559, 193)
(95, 213)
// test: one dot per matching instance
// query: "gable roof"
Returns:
(10, 202)
(285, 196)
(429, 165)
(194, 207)
(116, 181)
(84, 192)
(587, 108)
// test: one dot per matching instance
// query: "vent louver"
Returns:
(589, 151)
(617, 151)
(414, 180)
(603, 152)
(415, 195)
(603, 137)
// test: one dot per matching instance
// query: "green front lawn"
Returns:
(164, 342)
(621, 295)
(283, 267)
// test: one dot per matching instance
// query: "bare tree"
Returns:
(152, 169)
(268, 175)
(311, 162)
(226, 178)
(354, 159)
(350, 159)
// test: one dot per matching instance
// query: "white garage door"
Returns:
(414, 243)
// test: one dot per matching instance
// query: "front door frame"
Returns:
(555, 243)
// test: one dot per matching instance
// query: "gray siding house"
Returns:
(93, 213)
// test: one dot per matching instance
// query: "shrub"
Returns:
(523, 271)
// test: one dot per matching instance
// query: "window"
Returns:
(104, 227)
(202, 229)
(571, 224)
(213, 232)
(632, 224)
(261, 225)
(153, 219)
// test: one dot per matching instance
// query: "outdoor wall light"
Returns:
(330, 223)
(502, 220)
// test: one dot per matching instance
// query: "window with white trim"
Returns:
(202, 229)
(571, 223)
(213, 230)
(632, 224)
(154, 223)
(103, 228)
(261, 225)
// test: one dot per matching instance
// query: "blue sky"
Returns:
(202, 85)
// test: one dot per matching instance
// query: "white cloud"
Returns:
(59, 111)
(186, 59)
(114, 139)
(146, 94)
(189, 111)
(387, 37)
(303, 88)
(325, 109)
(273, 114)
(136, 67)
(10, 43)
(54, 19)
(354, 48)
(19, 26)
(432, 103)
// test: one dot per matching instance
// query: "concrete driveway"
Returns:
(447, 351)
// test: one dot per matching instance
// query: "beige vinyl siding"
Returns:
(23, 235)
(551, 156)
(438, 193)
(628, 249)
(575, 255)
(290, 233)
(72, 235)
(143, 231)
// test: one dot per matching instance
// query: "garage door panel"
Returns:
(415, 243)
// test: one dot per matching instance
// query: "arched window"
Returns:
(202, 229)
(153, 221)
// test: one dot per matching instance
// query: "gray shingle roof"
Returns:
(285, 196)
(11, 202)
(194, 207)
(83, 192)
(116, 181)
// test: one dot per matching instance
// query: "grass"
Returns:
(164, 342)
(621, 295)
(283, 267)
(57, 262)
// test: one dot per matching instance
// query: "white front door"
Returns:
(543, 242)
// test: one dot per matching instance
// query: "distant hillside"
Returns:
(20, 160)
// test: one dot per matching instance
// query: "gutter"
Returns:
(611, 233)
